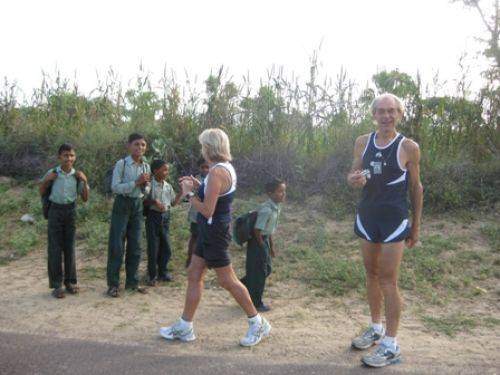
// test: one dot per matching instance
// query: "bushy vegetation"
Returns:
(304, 134)
(301, 131)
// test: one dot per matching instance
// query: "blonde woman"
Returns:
(213, 203)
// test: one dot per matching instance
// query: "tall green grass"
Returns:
(301, 131)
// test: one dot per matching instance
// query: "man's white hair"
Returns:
(399, 103)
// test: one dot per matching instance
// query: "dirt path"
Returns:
(306, 328)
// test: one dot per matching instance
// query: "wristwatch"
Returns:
(190, 195)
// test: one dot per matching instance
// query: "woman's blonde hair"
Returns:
(215, 145)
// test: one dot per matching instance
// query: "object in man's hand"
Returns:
(366, 173)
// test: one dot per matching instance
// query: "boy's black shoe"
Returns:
(58, 293)
(263, 308)
(72, 288)
(113, 292)
(152, 283)
(167, 277)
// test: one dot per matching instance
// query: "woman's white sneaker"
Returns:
(180, 330)
(256, 332)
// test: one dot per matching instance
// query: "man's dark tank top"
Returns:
(386, 191)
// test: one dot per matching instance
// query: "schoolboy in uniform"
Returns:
(161, 197)
(260, 247)
(65, 184)
(131, 181)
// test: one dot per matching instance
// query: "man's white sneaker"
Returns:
(367, 339)
(178, 331)
(382, 356)
(255, 333)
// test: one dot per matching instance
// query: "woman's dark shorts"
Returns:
(213, 242)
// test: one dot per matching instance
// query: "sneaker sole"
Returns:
(393, 361)
(376, 342)
(364, 347)
(183, 339)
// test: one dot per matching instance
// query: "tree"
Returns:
(490, 94)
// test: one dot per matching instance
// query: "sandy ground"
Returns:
(306, 328)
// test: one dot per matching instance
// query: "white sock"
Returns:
(390, 342)
(378, 327)
(255, 319)
(186, 324)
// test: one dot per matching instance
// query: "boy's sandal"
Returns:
(72, 289)
(138, 289)
(141, 290)
(58, 293)
(113, 292)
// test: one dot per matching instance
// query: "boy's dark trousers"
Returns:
(159, 250)
(258, 267)
(61, 240)
(126, 224)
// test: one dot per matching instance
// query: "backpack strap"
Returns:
(123, 170)
(54, 170)
(78, 183)
(48, 191)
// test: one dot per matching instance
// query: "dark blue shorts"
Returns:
(382, 228)
(213, 242)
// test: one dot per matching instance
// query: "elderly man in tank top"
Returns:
(386, 167)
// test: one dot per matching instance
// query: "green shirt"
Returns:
(126, 185)
(163, 192)
(64, 187)
(267, 217)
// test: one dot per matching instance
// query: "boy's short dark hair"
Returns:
(273, 184)
(65, 147)
(134, 137)
(156, 164)
(201, 161)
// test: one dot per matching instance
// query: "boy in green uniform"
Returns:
(65, 184)
(161, 197)
(260, 247)
(131, 181)
(193, 214)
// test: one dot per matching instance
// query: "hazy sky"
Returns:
(364, 36)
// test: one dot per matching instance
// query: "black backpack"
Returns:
(45, 198)
(243, 227)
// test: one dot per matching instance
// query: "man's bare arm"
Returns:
(355, 178)
(412, 152)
